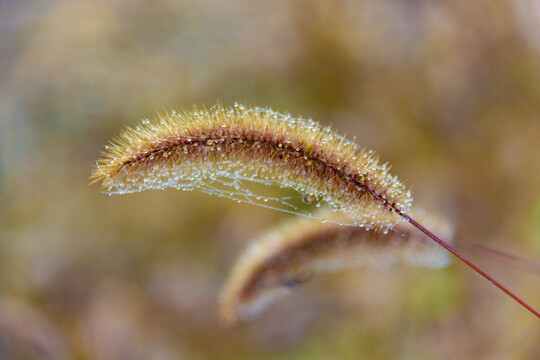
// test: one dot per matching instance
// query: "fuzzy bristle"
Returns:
(271, 266)
(221, 150)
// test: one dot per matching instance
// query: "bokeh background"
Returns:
(446, 91)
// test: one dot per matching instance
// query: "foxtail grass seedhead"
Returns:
(222, 150)
(225, 151)
(271, 266)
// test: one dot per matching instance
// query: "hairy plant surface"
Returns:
(218, 149)
(222, 150)
(272, 265)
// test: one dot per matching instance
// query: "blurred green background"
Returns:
(446, 91)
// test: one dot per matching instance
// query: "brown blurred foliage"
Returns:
(447, 91)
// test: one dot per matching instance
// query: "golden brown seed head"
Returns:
(271, 266)
(222, 150)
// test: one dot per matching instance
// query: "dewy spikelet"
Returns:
(271, 266)
(219, 150)
(222, 151)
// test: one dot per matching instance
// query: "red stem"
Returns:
(469, 263)
(519, 262)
